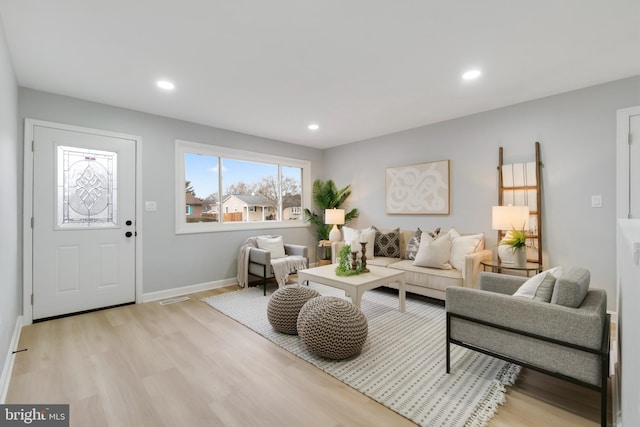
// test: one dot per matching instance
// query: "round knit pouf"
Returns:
(284, 306)
(332, 327)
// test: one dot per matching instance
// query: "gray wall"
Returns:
(10, 221)
(577, 133)
(171, 260)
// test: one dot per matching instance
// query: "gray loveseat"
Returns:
(568, 338)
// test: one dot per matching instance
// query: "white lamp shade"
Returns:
(334, 216)
(510, 218)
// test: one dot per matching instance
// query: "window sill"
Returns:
(195, 228)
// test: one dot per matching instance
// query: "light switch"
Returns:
(596, 201)
(150, 206)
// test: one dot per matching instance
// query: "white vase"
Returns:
(509, 256)
(520, 255)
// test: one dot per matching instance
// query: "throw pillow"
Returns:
(539, 287)
(354, 236)
(571, 287)
(273, 244)
(413, 244)
(387, 244)
(435, 233)
(434, 253)
(461, 246)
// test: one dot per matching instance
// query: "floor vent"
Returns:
(174, 300)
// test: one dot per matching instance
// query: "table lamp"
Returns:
(505, 218)
(508, 218)
(335, 217)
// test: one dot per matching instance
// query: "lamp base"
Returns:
(335, 235)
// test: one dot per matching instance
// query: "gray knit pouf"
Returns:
(284, 306)
(332, 327)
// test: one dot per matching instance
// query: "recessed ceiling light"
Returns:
(165, 84)
(313, 126)
(471, 74)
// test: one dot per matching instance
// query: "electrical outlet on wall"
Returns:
(596, 201)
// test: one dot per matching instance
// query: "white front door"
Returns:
(83, 221)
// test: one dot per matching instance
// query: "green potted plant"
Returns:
(345, 267)
(516, 242)
(327, 196)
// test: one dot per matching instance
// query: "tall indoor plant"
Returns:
(327, 196)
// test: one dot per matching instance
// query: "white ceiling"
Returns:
(358, 68)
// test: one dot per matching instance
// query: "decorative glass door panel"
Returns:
(86, 187)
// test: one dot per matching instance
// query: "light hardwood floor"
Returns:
(186, 364)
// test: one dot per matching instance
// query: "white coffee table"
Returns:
(354, 286)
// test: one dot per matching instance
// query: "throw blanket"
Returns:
(281, 266)
(243, 260)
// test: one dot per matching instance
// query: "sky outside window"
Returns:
(202, 172)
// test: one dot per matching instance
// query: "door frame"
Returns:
(27, 230)
(622, 159)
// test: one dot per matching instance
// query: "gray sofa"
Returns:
(430, 282)
(568, 339)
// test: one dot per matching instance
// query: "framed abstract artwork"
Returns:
(418, 189)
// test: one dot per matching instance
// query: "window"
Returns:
(227, 189)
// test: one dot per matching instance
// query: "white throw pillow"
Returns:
(275, 245)
(453, 233)
(434, 253)
(462, 246)
(540, 286)
(354, 236)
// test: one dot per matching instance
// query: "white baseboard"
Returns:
(5, 379)
(171, 293)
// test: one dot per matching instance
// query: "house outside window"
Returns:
(253, 190)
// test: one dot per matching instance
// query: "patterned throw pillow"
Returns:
(435, 233)
(413, 244)
(387, 244)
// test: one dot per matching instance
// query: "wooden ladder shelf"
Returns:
(517, 189)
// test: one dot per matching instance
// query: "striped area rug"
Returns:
(402, 364)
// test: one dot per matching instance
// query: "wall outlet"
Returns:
(150, 206)
(596, 201)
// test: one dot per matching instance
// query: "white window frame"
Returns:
(182, 147)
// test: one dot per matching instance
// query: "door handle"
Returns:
(128, 234)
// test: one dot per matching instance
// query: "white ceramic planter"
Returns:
(508, 256)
